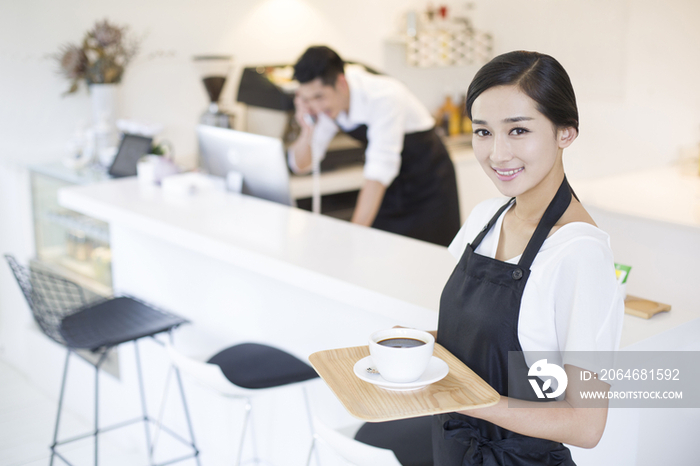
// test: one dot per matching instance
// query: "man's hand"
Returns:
(302, 146)
(303, 114)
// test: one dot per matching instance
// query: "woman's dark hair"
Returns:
(539, 76)
(319, 62)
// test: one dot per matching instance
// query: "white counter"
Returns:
(666, 194)
(386, 274)
(378, 271)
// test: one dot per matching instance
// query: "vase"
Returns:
(104, 101)
(151, 169)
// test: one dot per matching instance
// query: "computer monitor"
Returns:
(260, 159)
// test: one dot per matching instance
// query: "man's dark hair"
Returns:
(319, 62)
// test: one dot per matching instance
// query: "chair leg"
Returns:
(246, 418)
(312, 450)
(143, 403)
(161, 411)
(187, 414)
(60, 406)
(97, 403)
(311, 427)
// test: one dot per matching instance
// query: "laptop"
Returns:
(131, 149)
(259, 159)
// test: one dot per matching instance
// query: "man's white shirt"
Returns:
(389, 110)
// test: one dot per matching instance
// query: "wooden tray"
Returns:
(643, 307)
(461, 389)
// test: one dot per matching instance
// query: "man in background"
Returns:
(409, 183)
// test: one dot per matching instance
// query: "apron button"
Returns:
(517, 274)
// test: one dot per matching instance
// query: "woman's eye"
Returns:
(519, 131)
(481, 132)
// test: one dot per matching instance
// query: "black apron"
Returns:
(478, 323)
(422, 200)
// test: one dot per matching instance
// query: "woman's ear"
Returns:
(565, 136)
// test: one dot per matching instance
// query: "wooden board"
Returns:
(461, 389)
(643, 307)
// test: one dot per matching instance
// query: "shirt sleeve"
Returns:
(588, 306)
(385, 136)
(324, 131)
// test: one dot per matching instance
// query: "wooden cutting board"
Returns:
(644, 308)
(461, 389)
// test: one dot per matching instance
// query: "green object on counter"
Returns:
(622, 271)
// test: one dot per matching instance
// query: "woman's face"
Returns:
(516, 145)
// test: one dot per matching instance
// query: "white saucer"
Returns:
(437, 370)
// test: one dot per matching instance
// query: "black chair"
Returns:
(66, 315)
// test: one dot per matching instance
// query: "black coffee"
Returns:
(401, 342)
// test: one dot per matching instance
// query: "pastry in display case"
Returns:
(68, 243)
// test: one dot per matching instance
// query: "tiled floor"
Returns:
(27, 419)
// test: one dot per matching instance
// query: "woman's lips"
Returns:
(508, 174)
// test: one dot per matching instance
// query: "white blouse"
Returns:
(572, 301)
(389, 110)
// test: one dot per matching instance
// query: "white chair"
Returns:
(412, 433)
(243, 371)
(352, 451)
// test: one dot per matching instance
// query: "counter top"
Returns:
(667, 194)
(385, 273)
(361, 266)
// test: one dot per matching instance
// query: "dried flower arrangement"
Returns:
(102, 58)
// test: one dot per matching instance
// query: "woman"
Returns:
(537, 274)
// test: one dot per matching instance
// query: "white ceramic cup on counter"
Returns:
(401, 355)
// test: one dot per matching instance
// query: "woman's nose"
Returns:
(500, 151)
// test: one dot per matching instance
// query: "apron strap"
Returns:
(551, 216)
(477, 241)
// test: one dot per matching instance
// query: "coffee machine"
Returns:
(214, 69)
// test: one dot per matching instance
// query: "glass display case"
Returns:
(69, 243)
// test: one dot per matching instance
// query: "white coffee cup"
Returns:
(401, 364)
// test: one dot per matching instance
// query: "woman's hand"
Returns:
(575, 421)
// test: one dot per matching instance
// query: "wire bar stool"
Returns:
(66, 314)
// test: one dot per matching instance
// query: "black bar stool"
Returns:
(65, 315)
(244, 371)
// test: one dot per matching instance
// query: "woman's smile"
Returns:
(504, 174)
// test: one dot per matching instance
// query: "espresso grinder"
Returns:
(214, 69)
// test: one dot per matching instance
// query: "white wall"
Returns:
(634, 64)
(161, 84)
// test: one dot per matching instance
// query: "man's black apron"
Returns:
(422, 200)
(478, 323)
